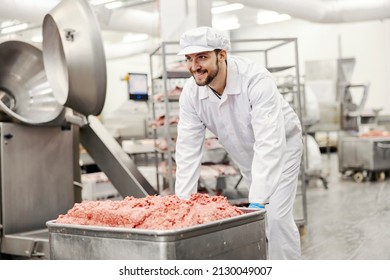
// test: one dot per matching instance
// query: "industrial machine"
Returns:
(364, 157)
(341, 103)
(49, 100)
(342, 111)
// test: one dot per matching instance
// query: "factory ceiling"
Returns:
(125, 22)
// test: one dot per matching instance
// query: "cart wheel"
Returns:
(358, 177)
(380, 176)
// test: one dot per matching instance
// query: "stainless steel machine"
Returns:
(49, 100)
(342, 110)
(364, 157)
(361, 156)
(341, 103)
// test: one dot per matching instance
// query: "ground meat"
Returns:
(375, 133)
(151, 212)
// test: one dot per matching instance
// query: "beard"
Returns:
(209, 78)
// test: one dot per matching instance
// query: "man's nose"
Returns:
(193, 65)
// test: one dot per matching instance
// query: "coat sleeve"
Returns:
(189, 146)
(270, 141)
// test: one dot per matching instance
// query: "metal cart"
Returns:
(364, 157)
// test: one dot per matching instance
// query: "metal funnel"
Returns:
(25, 94)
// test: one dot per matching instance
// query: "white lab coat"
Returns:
(261, 133)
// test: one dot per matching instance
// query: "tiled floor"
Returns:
(349, 220)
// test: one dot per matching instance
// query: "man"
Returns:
(239, 102)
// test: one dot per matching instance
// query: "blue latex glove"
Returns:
(256, 205)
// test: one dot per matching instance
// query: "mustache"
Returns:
(199, 71)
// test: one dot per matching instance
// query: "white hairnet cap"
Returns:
(202, 39)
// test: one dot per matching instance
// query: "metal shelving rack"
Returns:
(292, 90)
(161, 55)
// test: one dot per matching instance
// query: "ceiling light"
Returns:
(37, 39)
(114, 5)
(227, 8)
(8, 23)
(271, 17)
(217, 3)
(14, 28)
(100, 2)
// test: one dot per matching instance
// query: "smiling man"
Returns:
(238, 101)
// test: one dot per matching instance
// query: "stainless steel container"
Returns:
(364, 154)
(241, 237)
(25, 93)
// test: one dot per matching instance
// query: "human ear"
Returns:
(222, 55)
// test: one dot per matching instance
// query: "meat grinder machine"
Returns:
(341, 103)
(343, 110)
(50, 97)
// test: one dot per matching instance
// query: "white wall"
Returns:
(368, 42)
(116, 87)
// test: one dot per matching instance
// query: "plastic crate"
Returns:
(96, 186)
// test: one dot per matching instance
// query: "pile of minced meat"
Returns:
(152, 212)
